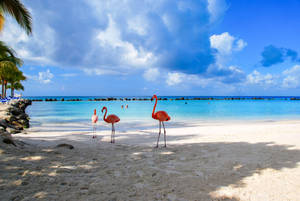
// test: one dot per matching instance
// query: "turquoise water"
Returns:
(178, 110)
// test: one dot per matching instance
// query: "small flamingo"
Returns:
(161, 116)
(94, 122)
(111, 119)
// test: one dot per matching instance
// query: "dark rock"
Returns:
(2, 129)
(12, 130)
(17, 125)
(17, 198)
(66, 146)
(3, 123)
(9, 141)
(24, 183)
(21, 116)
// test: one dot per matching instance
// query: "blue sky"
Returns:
(142, 47)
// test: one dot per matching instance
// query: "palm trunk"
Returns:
(12, 92)
(2, 95)
(5, 85)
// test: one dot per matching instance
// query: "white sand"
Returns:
(203, 161)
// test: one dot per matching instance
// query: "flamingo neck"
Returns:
(154, 107)
(105, 113)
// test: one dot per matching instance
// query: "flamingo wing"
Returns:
(162, 116)
(112, 118)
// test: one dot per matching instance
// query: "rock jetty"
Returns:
(170, 98)
(13, 119)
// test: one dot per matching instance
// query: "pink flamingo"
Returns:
(94, 121)
(161, 116)
(111, 119)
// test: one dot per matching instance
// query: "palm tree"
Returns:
(8, 67)
(16, 86)
(18, 11)
(14, 79)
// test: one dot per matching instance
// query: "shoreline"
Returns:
(144, 133)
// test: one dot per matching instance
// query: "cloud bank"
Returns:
(111, 37)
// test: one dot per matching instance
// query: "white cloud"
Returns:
(174, 78)
(99, 71)
(110, 38)
(292, 77)
(240, 44)
(216, 9)
(69, 75)
(151, 74)
(42, 77)
(290, 82)
(264, 80)
(226, 44)
(289, 78)
(295, 70)
(118, 36)
(45, 77)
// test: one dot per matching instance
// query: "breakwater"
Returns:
(162, 98)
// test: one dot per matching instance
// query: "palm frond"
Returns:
(16, 61)
(4, 50)
(18, 11)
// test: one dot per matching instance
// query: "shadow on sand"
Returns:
(123, 172)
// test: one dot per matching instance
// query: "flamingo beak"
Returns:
(151, 99)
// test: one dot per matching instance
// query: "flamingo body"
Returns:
(111, 119)
(94, 121)
(161, 116)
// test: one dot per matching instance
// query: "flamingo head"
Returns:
(103, 109)
(95, 112)
(153, 97)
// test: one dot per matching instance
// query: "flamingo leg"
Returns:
(158, 134)
(114, 133)
(165, 136)
(93, 131)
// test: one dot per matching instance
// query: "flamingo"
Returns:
(111, 119)
(161, 116)
(94, 121)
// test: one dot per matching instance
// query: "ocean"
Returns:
(269, 108)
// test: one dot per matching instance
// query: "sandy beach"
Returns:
(229, 160)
